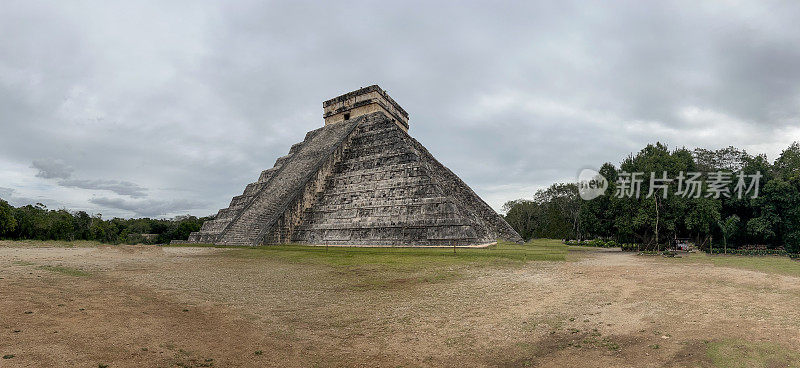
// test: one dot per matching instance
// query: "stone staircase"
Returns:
(363, 181)
(252, 223)
(383, 194)
(211, 229)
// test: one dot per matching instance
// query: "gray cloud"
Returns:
(6, 193)
(148, 208)
(10, 196)
(193, 99)
(52, 169)
(116, 186)
(57, 169)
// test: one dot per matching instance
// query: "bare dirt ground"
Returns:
(143, 306)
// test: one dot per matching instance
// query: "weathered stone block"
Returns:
(358, 181)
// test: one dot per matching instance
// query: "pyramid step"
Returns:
(282, 160)
(379, 186)
(286, 184)
(267, 174)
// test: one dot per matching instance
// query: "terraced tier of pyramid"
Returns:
(359, 180)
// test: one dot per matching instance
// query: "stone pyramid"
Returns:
(358, 180)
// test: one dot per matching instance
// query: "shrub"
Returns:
(599, 243)
(752, 252)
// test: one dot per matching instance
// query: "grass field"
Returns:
(747, 354)
(365, 267)
(503, 253)
(769, 264)
(49, 243)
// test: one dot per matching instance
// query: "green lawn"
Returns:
(370, 267)
(58, 269)
(65, 270)
(365, 268)
(408, 258)
(49, 243)
(746, 354)
(769, 264)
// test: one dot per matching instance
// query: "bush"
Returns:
(751, 252)
(599, 243)
(793, 242)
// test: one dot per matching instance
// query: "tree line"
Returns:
(771, 220)
(36, 222)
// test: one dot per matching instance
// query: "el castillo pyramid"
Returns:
(358, 180)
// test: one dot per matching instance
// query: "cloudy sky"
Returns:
(171, 107)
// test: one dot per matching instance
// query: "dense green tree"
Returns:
(652, 219)
(770, 218)
(728, 228)
(596, 216)
(81, 222)
(37, 222)
(32, 222)
(522, 215)
(778, 218)
(701, 216)
(7, 221)
(787, 165)
(729, 159)
(554, 212)
(61, 225)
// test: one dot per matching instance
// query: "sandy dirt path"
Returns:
(143, 306)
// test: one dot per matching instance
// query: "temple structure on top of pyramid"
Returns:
(361, 179)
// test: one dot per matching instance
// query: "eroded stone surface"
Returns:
(362, 181)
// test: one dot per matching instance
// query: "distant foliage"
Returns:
(7, 221)
(36, 222)
(553, 213)
(599, 243)
(772, 220)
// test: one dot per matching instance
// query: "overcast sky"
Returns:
(163, 108)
